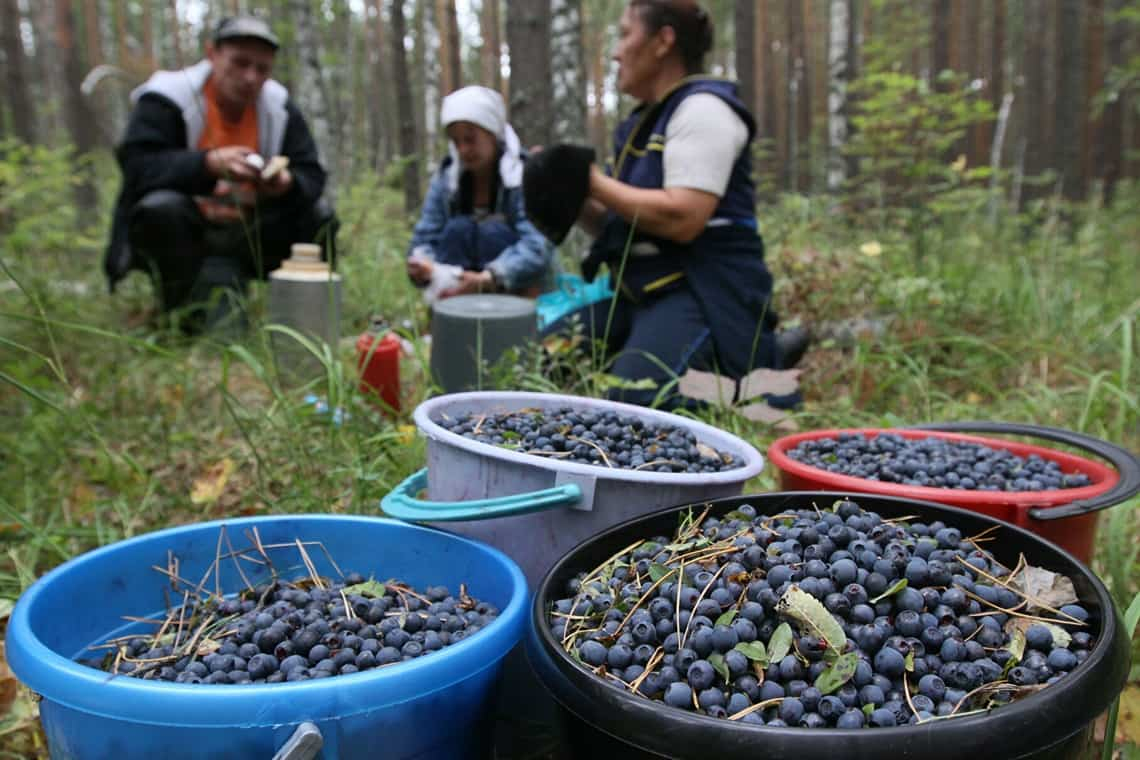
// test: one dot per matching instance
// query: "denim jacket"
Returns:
(529, 262)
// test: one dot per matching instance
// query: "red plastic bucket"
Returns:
(1067, 517)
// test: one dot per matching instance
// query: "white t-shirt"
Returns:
(703, 139)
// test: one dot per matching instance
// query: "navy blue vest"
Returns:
(639, 144)
(724, 266)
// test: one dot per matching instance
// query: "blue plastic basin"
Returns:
(436, 706)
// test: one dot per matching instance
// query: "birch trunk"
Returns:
(838, 73)
(566, 69)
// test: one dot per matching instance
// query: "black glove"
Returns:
(556, 181)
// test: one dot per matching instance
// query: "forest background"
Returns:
(947, 193)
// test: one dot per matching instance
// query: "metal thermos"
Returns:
(305, 296)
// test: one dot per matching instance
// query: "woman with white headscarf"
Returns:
(473, 221)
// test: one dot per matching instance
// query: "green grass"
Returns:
(107, 426)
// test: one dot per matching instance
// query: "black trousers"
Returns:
(651, 344)
(188, 257)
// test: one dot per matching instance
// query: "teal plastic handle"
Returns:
(402, 503)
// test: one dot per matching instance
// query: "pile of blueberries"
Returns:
(605, 438)
(934, 463)
(912, 601)
(295, 632)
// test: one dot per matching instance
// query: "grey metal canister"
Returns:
(470, 333)
(304, 295)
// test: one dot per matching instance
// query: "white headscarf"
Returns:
(483, 107)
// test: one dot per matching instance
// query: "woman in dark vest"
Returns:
(674, 217)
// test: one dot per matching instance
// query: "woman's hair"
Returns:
(691, 24)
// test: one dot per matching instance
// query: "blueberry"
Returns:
(851, 719)
(791, 710)
(890, 662)
(592, 653)
(1062, 659)
(678, 694)
(701, 675)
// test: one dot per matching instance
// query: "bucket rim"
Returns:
(1104, 478)
(713, 436)
(1107, 664)
(61, 680)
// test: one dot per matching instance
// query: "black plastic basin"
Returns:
(603, 721)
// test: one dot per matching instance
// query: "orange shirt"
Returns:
(218, 132)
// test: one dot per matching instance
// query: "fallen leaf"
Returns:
(1042, 586)
(1128, 720)
(210, 486)
(407, 433)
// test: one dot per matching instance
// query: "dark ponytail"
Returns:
(691, 23)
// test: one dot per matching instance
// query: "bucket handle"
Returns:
(1123, 460)
(304, 744)
(402, 503)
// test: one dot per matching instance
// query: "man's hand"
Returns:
(229, 163)
(277, 185)
(471, 282)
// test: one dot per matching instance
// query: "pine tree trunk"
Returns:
(799, 97)
(311, 91)
(148, 35)
(595, 44)
(977, 142)
(451, 75)
(94, 48)
(568, 80)
(1069, 98)
(763, 81)
(1092, 159)
(492, 48)
(838, 76)
(78, 116)
(997, 60)
(121, 33)
(744, 30)
(855, 12)
(421, 83)
(384, 126)
(940, 38)
(22, 117)
(1035, 99)
(780, 92)
(404, 108)
(1112, 124)
(528, 37)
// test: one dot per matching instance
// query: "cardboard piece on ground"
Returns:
(761, 412)
(770, 381)
(715, 389)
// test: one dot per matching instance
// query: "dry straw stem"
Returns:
(656, 657)
(1024, 596)
(597, 448)
(758, 706)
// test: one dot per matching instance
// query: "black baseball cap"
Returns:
(246, 27)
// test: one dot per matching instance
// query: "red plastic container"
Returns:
(378, 359)
(1067, 517)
